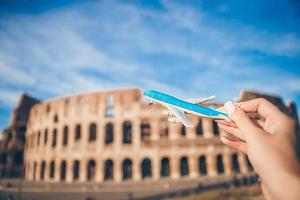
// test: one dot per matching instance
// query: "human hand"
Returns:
(269, 144)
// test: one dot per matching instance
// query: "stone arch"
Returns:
(45, 136)
(220, 165)
(182, 131)
(216, 130)
(42, 170)
(77, 132)
(38, 138)
(18, 157)
(65, 135)
(202, 165)
(76, 169)
(91, 170)
(55, 118)
(165, 167)
(52, 169)
(163, 128)
(184, 166)
(249, 165)
(34, 170)
(127, 132)
(127, 169)
(63, 170)
(109, 99)
(235, 163)
(109, 133)
(108, 170)
(146, 168)
(92, 132)
(199, 128)
(54, 137)
(145, 131)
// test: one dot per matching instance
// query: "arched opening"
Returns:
(183, 131)
(54, 135)
(127, 169)
(52, 169)
(127, 132)
(146, 168)
(109, 99)
(38, 138)
(77, 132)
(108, 170)
(48, 108)
(63, 168)
(220, 165)
(202, 165)
(91, 170)
(235, 163)
(184, 166)
(199, 128)
(215, 128)
(76, 168)
(27, 169)
(45, 136)
(92, 132)
(165, 167)
(18, 157)
(109, 112)
(42, 172)
(163, 129)
(65, 136)
(109, 133)
(249, 165)
(34, 170)
(145, 131)
(55, 118)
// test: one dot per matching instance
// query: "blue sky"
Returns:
(185, 48)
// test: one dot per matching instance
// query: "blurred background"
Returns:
(188, 49)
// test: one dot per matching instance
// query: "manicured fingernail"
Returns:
(229, 107)
(222, 139)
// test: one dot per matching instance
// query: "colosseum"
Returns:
(113, 136)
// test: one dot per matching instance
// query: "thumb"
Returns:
(239, 117)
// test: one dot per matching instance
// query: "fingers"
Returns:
(225, 122)
(241, 120)
(265, 191)
(238, 145)
(233, 130)
(259, 105)
(257, 122)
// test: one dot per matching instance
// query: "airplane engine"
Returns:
(173, 120)
(166, 112)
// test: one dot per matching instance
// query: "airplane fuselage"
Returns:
(185, 106)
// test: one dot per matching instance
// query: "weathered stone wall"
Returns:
(113, 136)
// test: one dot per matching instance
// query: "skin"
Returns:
(269, 144)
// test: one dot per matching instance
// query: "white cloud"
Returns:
(9, 97)
(101, 45)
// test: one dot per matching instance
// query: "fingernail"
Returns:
(229, 107)
(222, 139)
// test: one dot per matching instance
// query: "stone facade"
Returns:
(13, 139)
(113, 136)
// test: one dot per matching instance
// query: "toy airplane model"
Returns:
(177, 107)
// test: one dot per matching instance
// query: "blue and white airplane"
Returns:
(178, 107)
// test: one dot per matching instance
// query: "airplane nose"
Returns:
(146, 93)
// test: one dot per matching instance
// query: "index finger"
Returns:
(259, 105)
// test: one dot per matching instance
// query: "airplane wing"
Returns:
(200, 100)
(180, 116)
